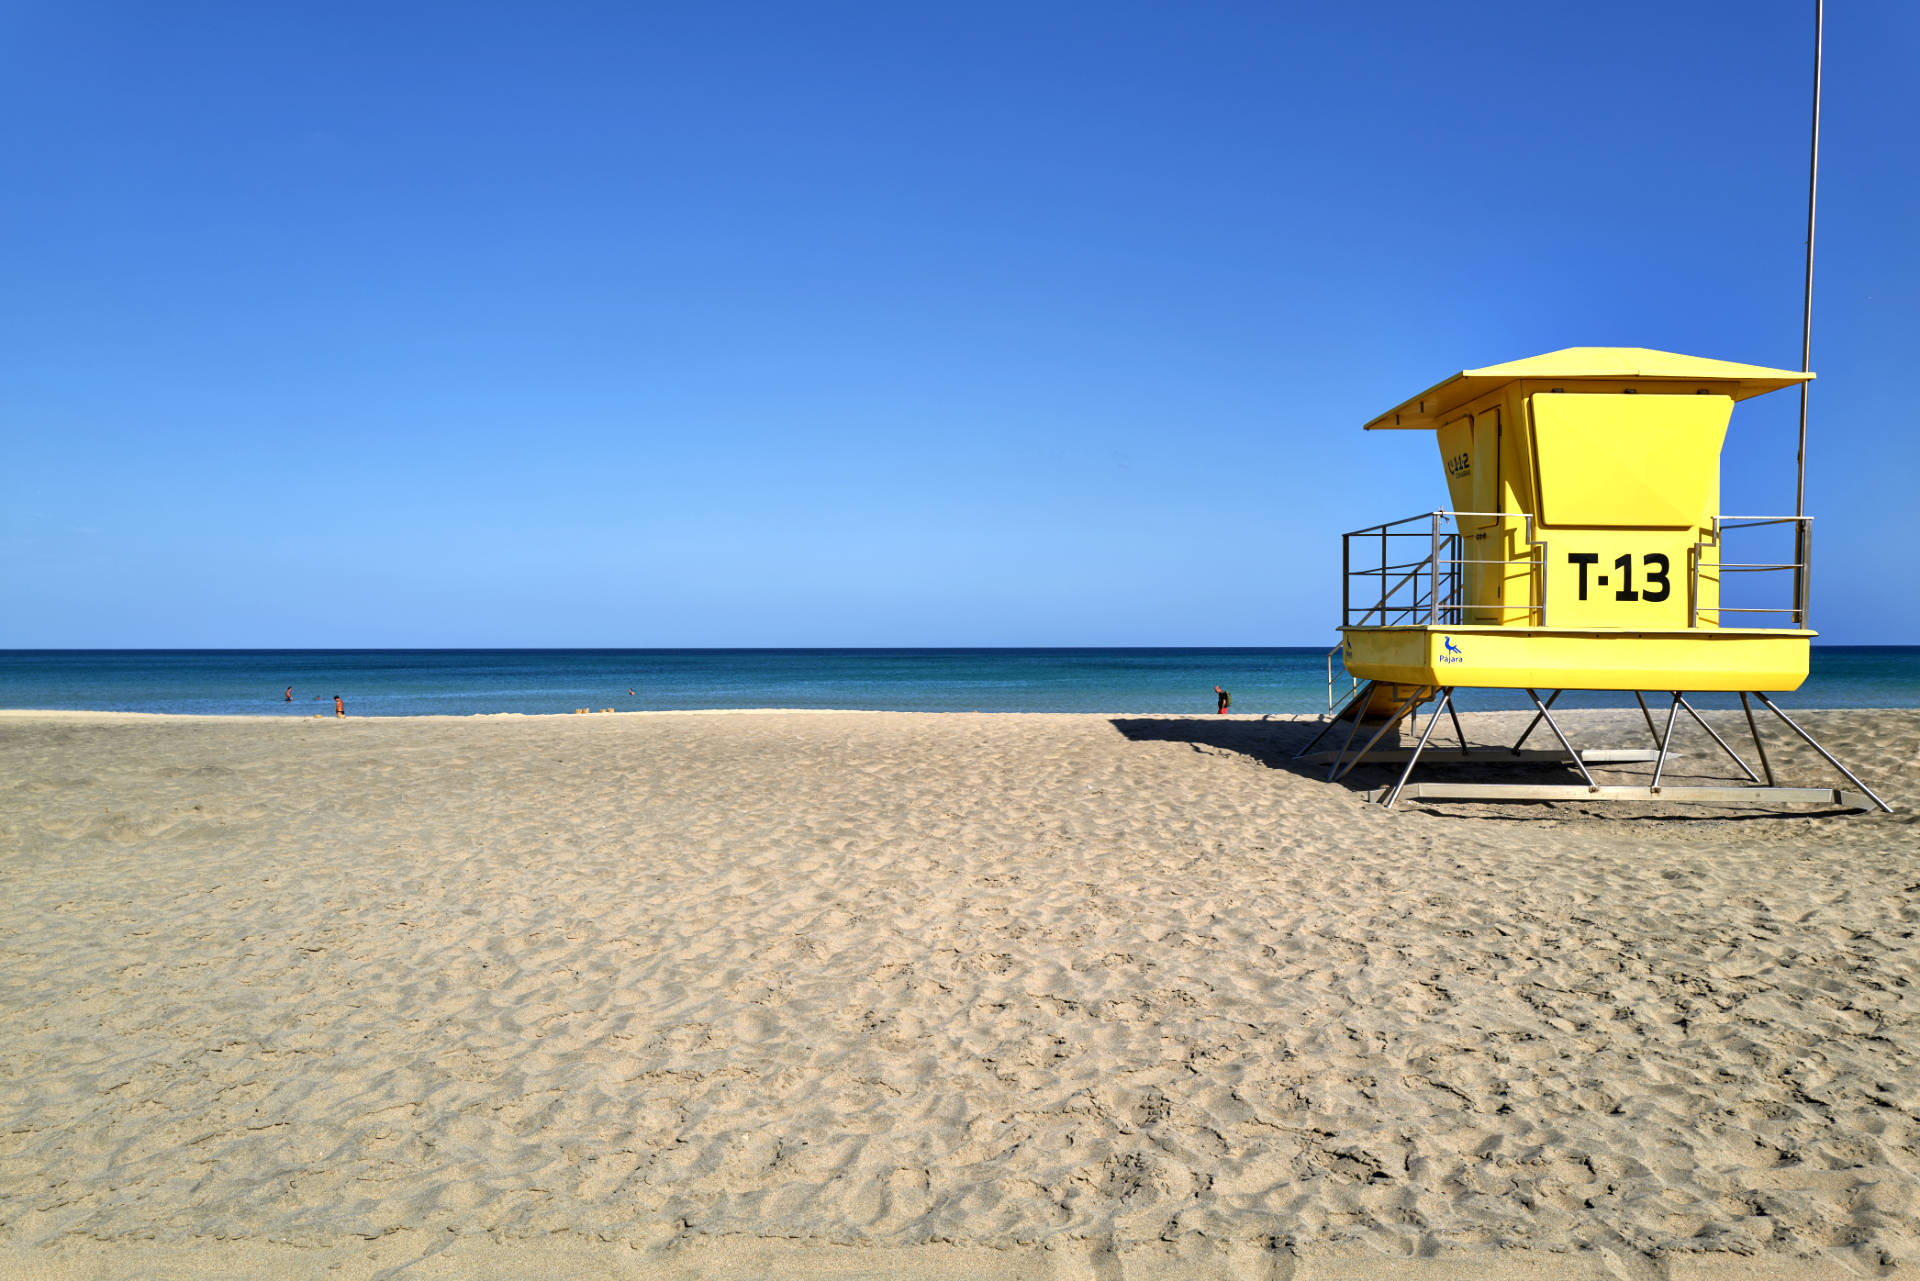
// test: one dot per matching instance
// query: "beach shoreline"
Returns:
(440, 682)
(1003, 995)
(33, 713)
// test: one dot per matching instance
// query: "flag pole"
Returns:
(1801, 541)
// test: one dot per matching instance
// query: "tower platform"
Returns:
(1489, 656)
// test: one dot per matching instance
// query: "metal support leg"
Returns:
(1751, 776)
(1664, 744)
(1456, 724)
(1652, 733)
(1535, 722)
(1758, 746)
(1446, 697)
(1359, 711)
(1824, 752)
(1380, 733)
(1555, 727)
(1331, 722)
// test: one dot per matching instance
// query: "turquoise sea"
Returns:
(440, 682)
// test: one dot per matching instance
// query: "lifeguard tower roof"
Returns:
(1586, 364)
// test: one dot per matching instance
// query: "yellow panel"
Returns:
(1486, 457)
(1470, 450)
(1470, 455)
(1626, 578)
(1541, 658)
(1456, 456)
(1516, 460)
(1644, 462)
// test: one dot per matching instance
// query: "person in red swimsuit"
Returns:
(1226, 700)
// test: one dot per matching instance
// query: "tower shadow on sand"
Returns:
(1273, 743)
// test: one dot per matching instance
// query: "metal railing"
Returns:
(1801, 569)
(1413, 572)
(1408, 589)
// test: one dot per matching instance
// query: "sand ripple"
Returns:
(890, 979)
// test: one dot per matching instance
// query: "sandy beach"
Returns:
(889, 994)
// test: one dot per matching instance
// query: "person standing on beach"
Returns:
(339, 708)
(1226, 700)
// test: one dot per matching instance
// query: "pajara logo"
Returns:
(1452, 652)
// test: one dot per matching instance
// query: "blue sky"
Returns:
(848, 324)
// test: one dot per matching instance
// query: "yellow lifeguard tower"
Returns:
(1585, 550)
